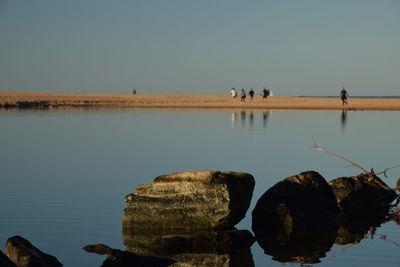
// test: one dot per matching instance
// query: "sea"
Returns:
(64, 173)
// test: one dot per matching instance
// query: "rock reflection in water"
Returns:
(311, 247)
(306, 248)
(193, 248)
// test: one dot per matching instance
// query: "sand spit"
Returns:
(50, 100)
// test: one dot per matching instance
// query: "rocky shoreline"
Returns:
(188, 219)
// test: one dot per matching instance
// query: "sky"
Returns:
(308, 47)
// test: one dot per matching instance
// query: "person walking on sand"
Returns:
(344, 95)
(251, 93)
(243, 96)
(265, 94)
(233, 94)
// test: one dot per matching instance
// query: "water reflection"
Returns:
(251, 118)
(343, 119)
(265, 115)
(233, 117)
(243, 117)
(306, 248)
(193, 248)
(249, 115)
(311, 247)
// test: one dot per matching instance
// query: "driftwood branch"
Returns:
(317, 147)
(372, 175)
(386, 169)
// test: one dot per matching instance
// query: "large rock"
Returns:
(190, 200)
(5, 261)
(362, 196)
(24, 254)
(301, 203)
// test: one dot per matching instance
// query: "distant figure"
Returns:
(265, 93)
(134, 91)
(243, 96)
(233, 94)
(344, 95)
(251, 93)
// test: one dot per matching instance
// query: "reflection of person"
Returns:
(343, 118)
(251, 117)
(344, 95)
(233, 93)
(251, 93)
(233, 117)
(265, 117)
(243, 96)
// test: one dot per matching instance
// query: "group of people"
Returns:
(265, 93)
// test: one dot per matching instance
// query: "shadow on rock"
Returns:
(193, 248)
(5, 261)
(363, 198)
(301, 203)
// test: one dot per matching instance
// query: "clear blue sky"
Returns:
(308, 47)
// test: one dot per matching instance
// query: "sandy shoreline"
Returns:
(50, 100)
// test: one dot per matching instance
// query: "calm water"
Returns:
(64, 173)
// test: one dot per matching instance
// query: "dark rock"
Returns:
(5, 261)
(119, 258)
(24, 254)
(194, 248)
(300, 203)
(190, 200)
(361, 197)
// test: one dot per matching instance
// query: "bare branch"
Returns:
(317, 147)
(386, 169)
(373, 178)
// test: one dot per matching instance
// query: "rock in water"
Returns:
(5, 261)
(190, 200)
(362, 196)
(24, 254)
(301, 203)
